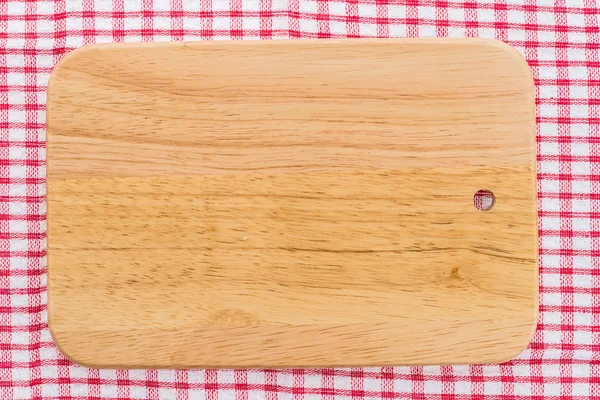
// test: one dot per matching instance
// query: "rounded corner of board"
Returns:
(65, 348)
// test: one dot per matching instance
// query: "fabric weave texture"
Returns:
(559, 39)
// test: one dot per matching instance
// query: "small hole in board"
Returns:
(484, 200)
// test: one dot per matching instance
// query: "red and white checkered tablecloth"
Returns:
(560, 40)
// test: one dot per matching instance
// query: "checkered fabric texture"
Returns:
(559, 39)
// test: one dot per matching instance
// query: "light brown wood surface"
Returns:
(291, 203)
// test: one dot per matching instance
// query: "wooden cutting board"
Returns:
(291, 203)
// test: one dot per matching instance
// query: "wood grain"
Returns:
(291, 203)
